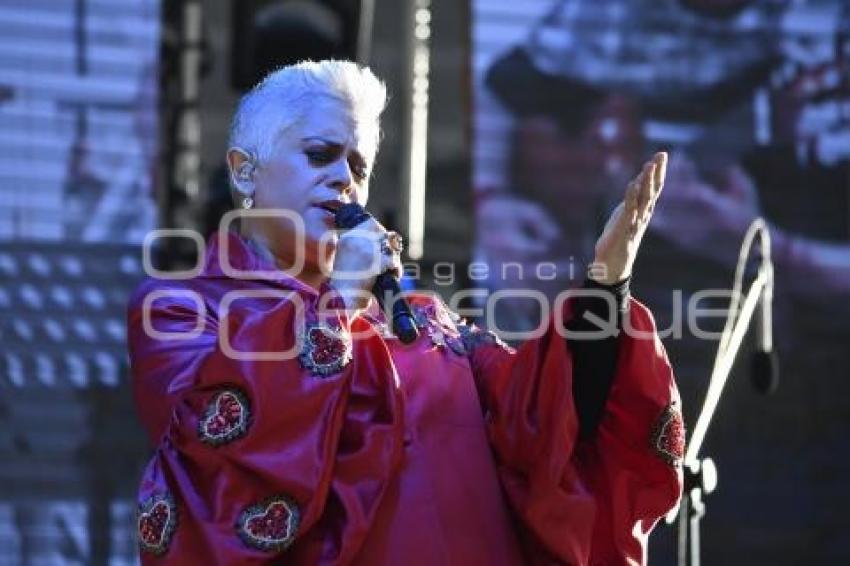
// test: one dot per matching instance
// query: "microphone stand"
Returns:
(700, 474)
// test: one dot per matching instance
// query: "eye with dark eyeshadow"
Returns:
(358, 169)
(325, 155)
(321, 155)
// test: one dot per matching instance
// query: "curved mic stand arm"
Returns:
(701, 475)
(723, 364)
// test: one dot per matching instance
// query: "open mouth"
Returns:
(330, 206)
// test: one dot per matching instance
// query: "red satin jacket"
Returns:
(285, 433)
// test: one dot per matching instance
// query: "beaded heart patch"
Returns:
(668, 436)
(226, 418)
(156, 522)
(324, 350)
(271, 525)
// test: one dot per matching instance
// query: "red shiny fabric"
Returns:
(410, 454)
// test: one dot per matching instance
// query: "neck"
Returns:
(309, 275)
(312, 278)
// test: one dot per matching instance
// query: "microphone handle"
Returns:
(403, 323)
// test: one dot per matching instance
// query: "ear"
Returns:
(241, 166)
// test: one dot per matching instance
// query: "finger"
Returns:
(653, 194)
(511, 244)
(397, 268)
(395, 242)
(525, 245)
(645, 190)
(616, 215)
(630, 198)
(366, 236)
(660, 173)
(538, 220)
(740, 187)
(632, 205)
(660, 160)
(391, 264)
(370, 225)
(549, 230)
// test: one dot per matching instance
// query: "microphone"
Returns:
(764, 370)
(386, 285)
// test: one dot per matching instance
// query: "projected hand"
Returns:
(617, 247)
(705, 217)
(514, 229)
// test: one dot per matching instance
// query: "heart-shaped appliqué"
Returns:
(271, 525)
(324, 350)
(668, 436)
(157, 520)
(226, 418)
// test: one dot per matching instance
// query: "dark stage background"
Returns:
(539, 113)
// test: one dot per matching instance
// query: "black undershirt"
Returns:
(595, 358)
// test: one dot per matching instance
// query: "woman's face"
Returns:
(320, 162)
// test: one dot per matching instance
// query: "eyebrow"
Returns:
(321, 138)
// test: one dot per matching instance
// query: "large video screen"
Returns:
(79, 85)
(78, 119)
(752, 101)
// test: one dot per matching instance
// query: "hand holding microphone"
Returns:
(356, 270)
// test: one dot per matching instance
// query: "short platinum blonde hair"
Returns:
(282, 98)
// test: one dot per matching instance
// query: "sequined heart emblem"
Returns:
(668, 437)
(157, 520)
(226, 418)
(425, 318)
(457, 345)
(271, 525)
(325, 351)
(474, 337)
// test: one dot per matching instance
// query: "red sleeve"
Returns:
(250, 454)
(583, 501)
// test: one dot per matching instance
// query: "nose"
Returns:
(341, 177)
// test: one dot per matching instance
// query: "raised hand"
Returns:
(618, 245)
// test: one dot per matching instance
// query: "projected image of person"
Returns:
(749, 95)
(356, 448)
(750, 99)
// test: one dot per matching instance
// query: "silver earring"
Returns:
(247, 203)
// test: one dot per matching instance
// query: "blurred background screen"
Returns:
(752, 99)
(79, 85)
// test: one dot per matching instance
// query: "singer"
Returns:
(359, 448)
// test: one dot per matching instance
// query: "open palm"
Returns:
(617, 247)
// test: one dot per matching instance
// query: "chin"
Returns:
(322, 236)
(321, 264)
(321, 249)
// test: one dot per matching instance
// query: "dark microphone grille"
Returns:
(350, 215)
